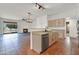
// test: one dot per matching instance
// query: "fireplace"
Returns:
(25, 30)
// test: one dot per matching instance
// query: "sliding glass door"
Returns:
(9, 27)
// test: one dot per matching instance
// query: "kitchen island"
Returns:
(41, 40)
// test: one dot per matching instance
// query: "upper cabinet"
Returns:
(56, 22)
(51, 23)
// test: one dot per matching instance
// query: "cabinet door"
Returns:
(36, 43)
(45, 42)
(56, 22)
(50, 37)
(61, 22)
(52, 23)
(55, 36)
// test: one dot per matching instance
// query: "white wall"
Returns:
(22, 25)
(40, 22)
(72, 27)
(1, 26)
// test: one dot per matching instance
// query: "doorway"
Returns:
(67, 29)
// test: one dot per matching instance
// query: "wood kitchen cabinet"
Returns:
(61, 22)
(56, 22)
(42, 40)
(53, 37)
(50, 38)
(52, 23)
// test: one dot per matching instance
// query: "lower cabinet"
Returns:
(45, 41)
(53, 37)
(40, 42)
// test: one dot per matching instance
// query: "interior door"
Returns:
(67, 28)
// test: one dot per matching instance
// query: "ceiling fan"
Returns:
(39, 6)
(28, 20)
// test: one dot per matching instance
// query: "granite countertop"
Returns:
(39, 32)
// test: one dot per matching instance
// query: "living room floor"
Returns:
(15, 44)
(18, 44)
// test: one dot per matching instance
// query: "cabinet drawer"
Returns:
(45, 38)
(45, 35)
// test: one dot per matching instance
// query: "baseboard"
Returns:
(10, 33)
(62, 38)
(73, 37)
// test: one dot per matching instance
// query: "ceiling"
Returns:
(19, 10)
